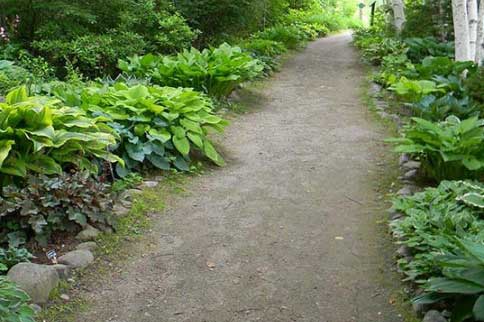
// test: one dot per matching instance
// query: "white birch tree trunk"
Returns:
(480, 35)
(473, 21)
(461, 30)
(398, 14)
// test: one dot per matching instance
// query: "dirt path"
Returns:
(287, 231)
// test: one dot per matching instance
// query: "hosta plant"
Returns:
(12, 256)
(158, 126)
(433, 218)
(14, 303)
(436, 109)
(452, 149)
(415, 90)
(45, 205)
(216, 71)
(461, 283)
(41, 135)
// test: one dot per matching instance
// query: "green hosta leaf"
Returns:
(212, 154)
(162, 135)
(478, 309)
(138, 92)
(135, 151)
(78, 217)
(196, 139)
(5, 148)
(191, 126)
(445, 285)
(159, 162)
(181, 164)
(43, 164)
(17, 96)
(181, 144)
(473, 199)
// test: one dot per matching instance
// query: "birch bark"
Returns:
(480, 35)
(461, 30)
(473, 21)
(398, 14)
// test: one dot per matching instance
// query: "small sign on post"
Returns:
(361, 6)
(52, 256)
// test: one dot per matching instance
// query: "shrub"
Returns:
(475, 85)
(452, 149)
(462, 281)
(415, 90)
(93, 55)
(420, 48)
(12, 256)
(45, 205)
(437, 109)
(11, 76)
(264, 50)
(216, 71)
(433, 219)
(158, 126)
(14, 305)
(291, 36)
(40, 135)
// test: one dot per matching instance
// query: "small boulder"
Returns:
(87, 245)
(434, 316)
(404, 158)
(410, 174)
(411, 165)
(37, 308)
(420, 308)
(404, 251)
(64, 297)
(88, 234)
(36, 280)
(77, 258)
(149, 184)
(120, 210)
(395, 215)
(405, 191)
(63, 271)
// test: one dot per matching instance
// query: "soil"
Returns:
(288, 230)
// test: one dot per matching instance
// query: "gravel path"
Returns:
(287, 231)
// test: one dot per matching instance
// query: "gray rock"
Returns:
(411, 165)
(434, 316)
(87, 245)
(105, 228)
(63, 271)
(120, 210)
(64, 297)
(404, 158)
(149, 184)
(405, 191)
(404, 251)
(37, 308)
(410, 174)
(77, 258)
(36, 280)
(395, 215)
(88, 234)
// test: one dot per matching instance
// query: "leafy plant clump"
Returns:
(452, 149)
(11, 76)
(46, 205)
(215, 71)
(14, 305)
(158, 126)
(433, 219)
(11, 256)
(41, 135)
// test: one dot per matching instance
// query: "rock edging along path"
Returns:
(287, 230)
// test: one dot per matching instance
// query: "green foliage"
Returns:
(437, 109)
(11, 256)
(443, 66)
(415, 90)
(93, 55)
(11, 76)
(158, 126)
(291, 36)
(463, 272)
(420, 48)
(475, 85)
(216, 71)
(265, 51)
(14, 305)
(452, 149)
(129, 181)
(433, 219)
(45, 205)
(40, 135)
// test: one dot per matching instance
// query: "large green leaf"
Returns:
(478, 309)
(5, 148)
(182, 144)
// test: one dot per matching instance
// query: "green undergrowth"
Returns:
(114, 248)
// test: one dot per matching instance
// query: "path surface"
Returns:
(287, 231)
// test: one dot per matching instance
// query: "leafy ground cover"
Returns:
(442, 227)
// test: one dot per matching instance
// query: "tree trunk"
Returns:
(461, 30)
(473, 21)
(398, 14)
(480, 36)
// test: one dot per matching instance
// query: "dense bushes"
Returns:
(14, 305)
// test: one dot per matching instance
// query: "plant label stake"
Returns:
(52, 256)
